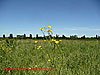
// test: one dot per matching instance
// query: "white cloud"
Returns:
(82, 29)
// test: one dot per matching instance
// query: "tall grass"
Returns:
(73, 57)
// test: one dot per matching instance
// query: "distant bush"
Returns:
(24, 36)
(30, 36)
(20, 36)
(3, 35)
(83, 37)
(11, 36)
(73, 37)
(37, 36)
(63, 37)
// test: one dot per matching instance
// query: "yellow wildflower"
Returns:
(29, 68)
(44, 26)
(40, 46)
(35, 41)
(58, 45)
(50, 30)
(60, 40)
(49, 60)
(56, 42)
(49, 26)
(52, 40)
(45, 40)
(35, 65)
(41, 29)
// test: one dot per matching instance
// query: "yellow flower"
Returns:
(35, 65)
(44, 26)
(52, 40)
(60, 40)
(41, 29)
(49, 60)
(45, 40)
(58, 45)
(40, 46)
(49, 26)
(29, 68)
(35, 41)
(50, 30)
(56, 42)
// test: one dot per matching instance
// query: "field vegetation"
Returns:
(72, 57)
(66, 57)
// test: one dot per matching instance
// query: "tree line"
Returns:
(55, 37)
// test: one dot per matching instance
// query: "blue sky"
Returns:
(68, 17)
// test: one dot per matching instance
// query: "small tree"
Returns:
(96, 36)
(30, 36)
(83, 37)
(56, 36)
(63, 36)
(37, 36)
(11, 36)
(3, 35)
(73, 37)
(24, 36)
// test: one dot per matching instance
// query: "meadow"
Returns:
(71, 57)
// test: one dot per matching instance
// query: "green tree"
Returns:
(73, 37)
(3, 35)
(96, 36)
(63, 36)
(37, 36)
(24, 36)
(30, 36)
(83, 37)
(11, 36)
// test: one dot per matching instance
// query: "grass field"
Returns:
(72, 57)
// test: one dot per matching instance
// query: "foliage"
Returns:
(74, 57)
(66, 57)
(73, 37)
